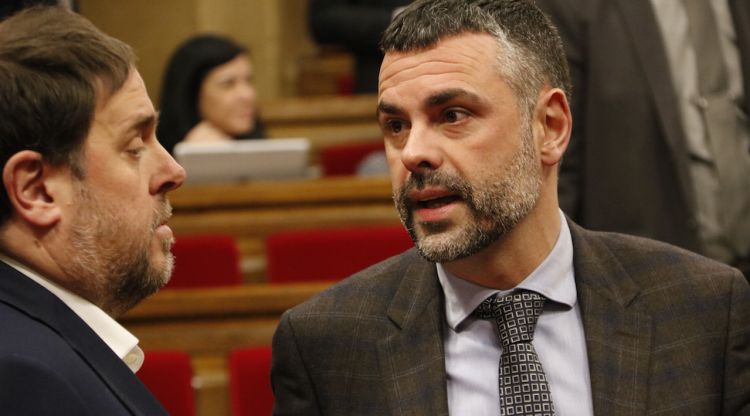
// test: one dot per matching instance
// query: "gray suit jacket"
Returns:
(667, 332)
(628, 147)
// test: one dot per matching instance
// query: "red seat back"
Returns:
(205, 261)
(250, 381)
(344, 158)
(330, 253)
(168, 375)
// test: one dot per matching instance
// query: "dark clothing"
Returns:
(11, 7)
(356, 25)
(666, 333)
(52, 363)
(627, 166)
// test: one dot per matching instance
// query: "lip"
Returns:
(245, 114)
(426, 194)
(164, 232)
(443, 202)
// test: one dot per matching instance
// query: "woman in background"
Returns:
(208, 94)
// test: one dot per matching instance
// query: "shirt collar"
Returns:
(553, 278)
(123, 343)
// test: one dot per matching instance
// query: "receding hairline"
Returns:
(530, 53)
(499, 56)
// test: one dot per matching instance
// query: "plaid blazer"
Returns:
(667, 332)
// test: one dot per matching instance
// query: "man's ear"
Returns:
(30, 184)
(553, 113)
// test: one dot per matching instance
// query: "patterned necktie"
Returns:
(523, 385)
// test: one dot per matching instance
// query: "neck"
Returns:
(31, 248)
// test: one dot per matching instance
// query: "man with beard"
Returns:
(83, 213)
(506, 307)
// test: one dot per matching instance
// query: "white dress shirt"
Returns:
(123, 343)
(472, 347)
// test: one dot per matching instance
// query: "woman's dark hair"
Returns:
(181, 86)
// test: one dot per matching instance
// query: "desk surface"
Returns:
(325, 120)
(293, 110)
(283, 193)
(222, 302)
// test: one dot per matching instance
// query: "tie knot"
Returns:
(515, 314)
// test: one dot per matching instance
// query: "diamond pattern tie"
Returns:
(523, 385)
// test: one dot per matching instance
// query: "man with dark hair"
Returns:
(11, 7)
(505, 307)
(83, 213)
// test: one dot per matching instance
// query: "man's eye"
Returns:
(227, 83)
(136, 151)
(452, 116)
(395, 126)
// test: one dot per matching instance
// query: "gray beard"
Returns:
(496, 206)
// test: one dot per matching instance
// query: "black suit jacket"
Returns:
(52, 363)
(667, 333)
(626, 168)
(358, 26)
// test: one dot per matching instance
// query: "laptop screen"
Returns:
(244, 160)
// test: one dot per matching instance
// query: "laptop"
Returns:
(244, 160)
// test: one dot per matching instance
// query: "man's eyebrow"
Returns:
(434, 100)
(386, 108)
(443, 97)
(143, 121)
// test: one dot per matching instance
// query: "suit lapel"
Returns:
(644, 31)
(115, 374)
(412, 361)
(37, 302)
(618, 331)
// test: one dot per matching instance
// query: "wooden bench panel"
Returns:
(325, 120)
(208, 324)
(252, 211)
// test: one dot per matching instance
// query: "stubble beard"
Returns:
(111, 264)
(495, 206)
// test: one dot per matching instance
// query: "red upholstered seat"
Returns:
(330, 253)
(205, 261)
(249, 381)
(168, 375)
(344, 158)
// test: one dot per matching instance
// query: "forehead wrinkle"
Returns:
(465, 49)
(435, 67)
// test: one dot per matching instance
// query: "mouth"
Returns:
(437, 202)
(160, 222)
(162, 213)
(432, 199)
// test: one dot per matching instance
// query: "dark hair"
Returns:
(530, 51)
(54, 65)
(181, 86)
